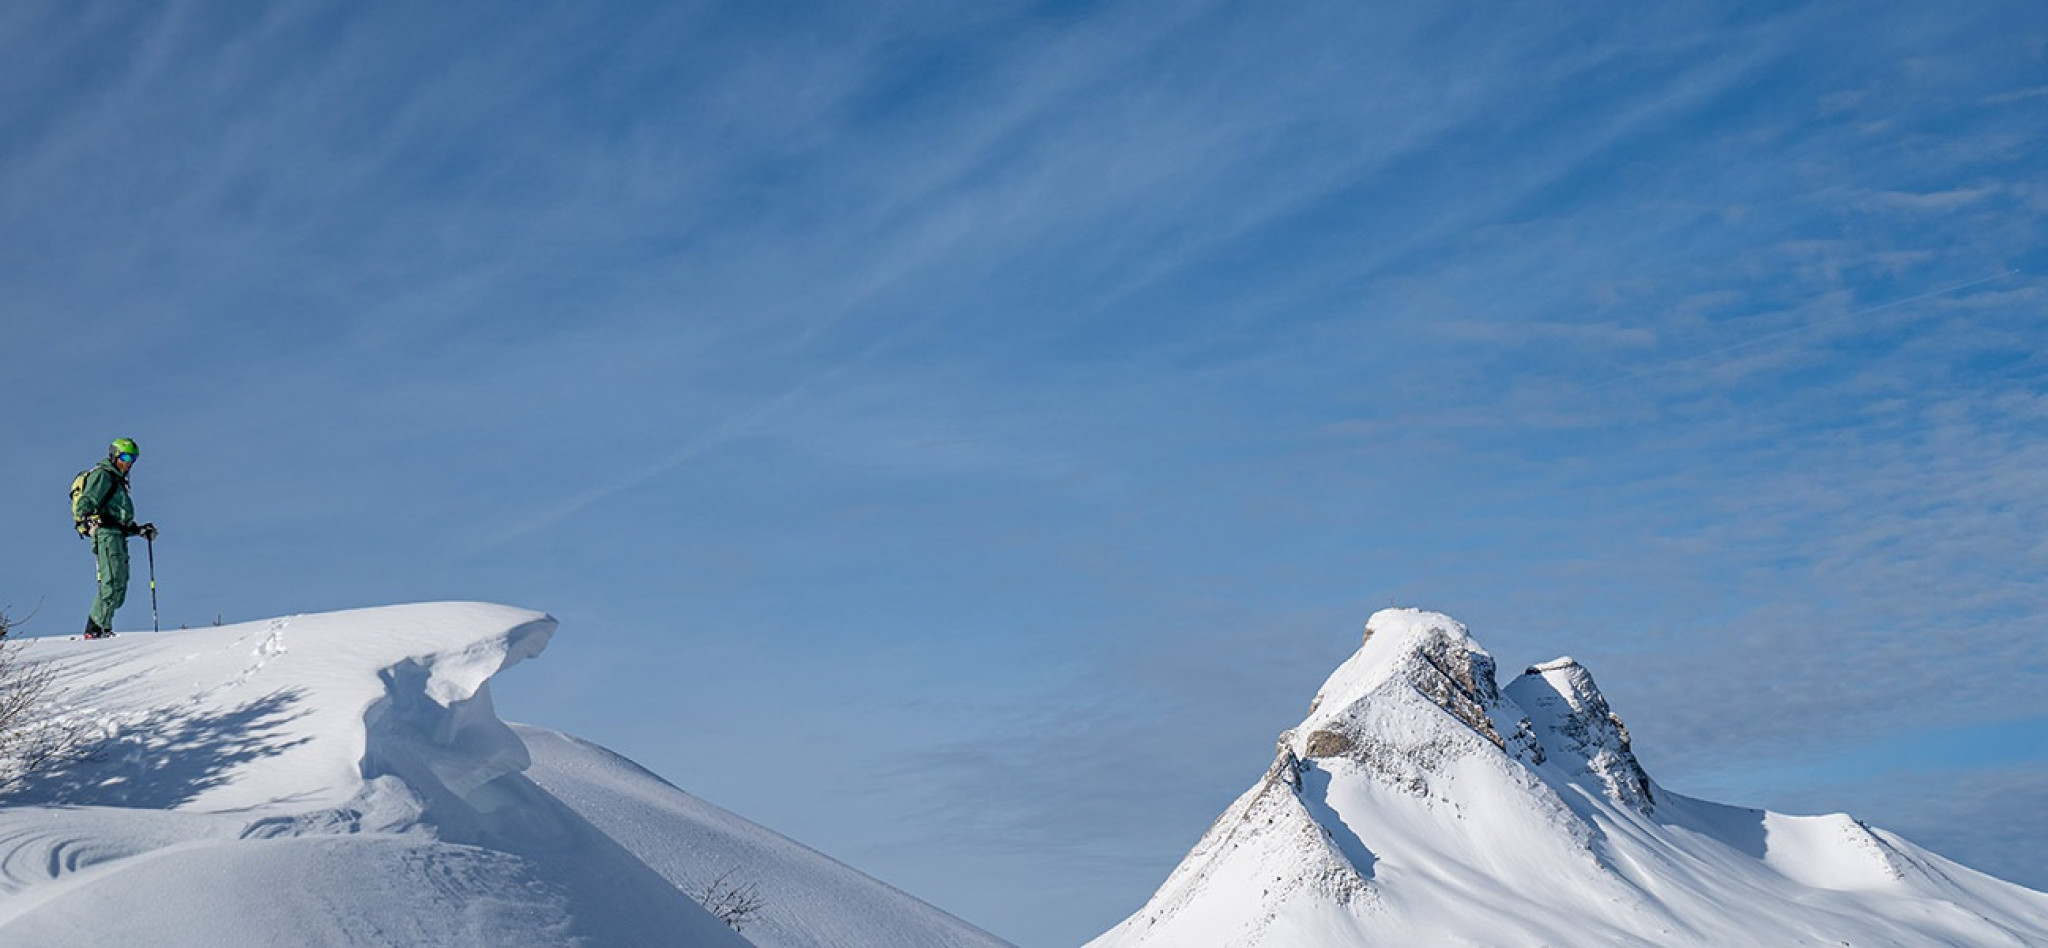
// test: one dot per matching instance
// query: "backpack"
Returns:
(77, 488)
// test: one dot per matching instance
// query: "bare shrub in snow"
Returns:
(734, 903)
(33, 732)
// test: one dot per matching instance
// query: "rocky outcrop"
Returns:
(1459, 679)
(1380, 710)
(1580, 732)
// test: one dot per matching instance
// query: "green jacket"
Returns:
(105, 496)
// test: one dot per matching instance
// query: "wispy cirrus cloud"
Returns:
(1138, 350)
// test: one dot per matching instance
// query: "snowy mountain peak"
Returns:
(1579, 731)
(1418, 692)
(1419, 803)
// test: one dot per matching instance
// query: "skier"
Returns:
(106, 513)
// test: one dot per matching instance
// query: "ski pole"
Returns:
(154, 626)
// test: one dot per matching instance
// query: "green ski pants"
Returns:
(111, 549)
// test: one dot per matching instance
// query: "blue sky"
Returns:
(962, 436)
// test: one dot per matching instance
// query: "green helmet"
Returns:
(123, 446)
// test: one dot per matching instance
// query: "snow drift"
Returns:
(342, 779)
(1421, 804)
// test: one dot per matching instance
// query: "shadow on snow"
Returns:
(167, 758)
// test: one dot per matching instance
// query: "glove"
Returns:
(147, 531)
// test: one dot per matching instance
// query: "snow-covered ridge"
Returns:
(1420, 803)
(282, 713)
(343, 779)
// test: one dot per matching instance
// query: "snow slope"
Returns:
(1421, 804)
(342, 779)
(807, 897)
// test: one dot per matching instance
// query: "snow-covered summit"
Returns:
(1381, 708)
(1580, 732)
(342, 779)
(1419, 803)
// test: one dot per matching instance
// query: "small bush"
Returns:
(33, 731)
(734, 903)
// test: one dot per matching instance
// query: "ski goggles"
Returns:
(125, 458)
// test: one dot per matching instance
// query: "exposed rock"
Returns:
(1463, 684)
(1574, 722)
(1328, 744)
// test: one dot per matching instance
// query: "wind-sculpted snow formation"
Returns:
(342, 779)
(1421, 804)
